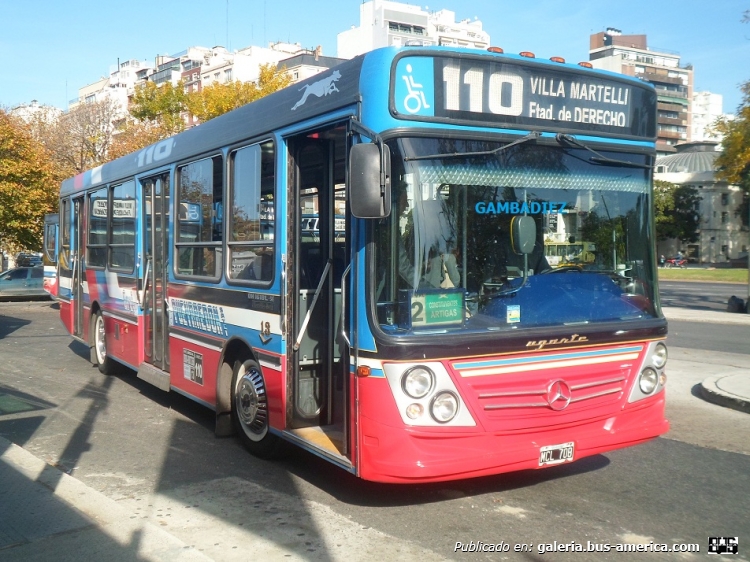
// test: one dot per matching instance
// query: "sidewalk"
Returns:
(47, 515)
(730, 391)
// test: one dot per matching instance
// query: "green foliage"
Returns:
(675, 211)
(217, 99)
(734, 162)
(162, 105)
(28, 186)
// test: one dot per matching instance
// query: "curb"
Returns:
(711, 393)
(107, 515)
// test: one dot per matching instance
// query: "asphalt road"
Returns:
(705, 296)
(156, 455)
(699, 295)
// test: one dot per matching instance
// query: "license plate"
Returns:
(556, 454)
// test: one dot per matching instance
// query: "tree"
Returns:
(133, 135)
(161, 106)
(217, 99)
(675, 211)
(81, 138)
(734, 162)
(28, 186)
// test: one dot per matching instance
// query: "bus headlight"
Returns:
(414, 411)
(659, 357)
(418, 382)
(648, 380)
(444, 407)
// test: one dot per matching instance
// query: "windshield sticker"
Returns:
(516, 208)
(513, 314)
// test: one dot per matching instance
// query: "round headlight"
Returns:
(417, 382)
(414, 411)
(659, 357)
(444, 407)
(648, 380)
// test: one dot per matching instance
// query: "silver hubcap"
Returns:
(251, 403)
(100, 342)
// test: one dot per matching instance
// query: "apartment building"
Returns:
(383, 24)
(707, 108)
(630, 55)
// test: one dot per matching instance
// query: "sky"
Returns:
(51, 48)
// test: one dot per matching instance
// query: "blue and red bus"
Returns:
(355, 264)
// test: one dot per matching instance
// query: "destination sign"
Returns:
(436, 308)
(505, 92)
(121, 208)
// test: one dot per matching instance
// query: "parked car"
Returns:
(28, 259)
(23, 282)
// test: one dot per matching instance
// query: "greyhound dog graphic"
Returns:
(320, 88)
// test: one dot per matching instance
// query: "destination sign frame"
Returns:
(426, 309)
(510, 93)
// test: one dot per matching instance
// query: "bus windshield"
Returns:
(444, 260)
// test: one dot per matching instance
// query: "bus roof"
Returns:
(314, 97)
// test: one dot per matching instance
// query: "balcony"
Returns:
(671, 121)
(676, 135)
(664, 92)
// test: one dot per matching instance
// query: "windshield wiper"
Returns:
(599, 158)
(533, 135)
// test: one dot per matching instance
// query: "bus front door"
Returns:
(316, 410)
(155, 271)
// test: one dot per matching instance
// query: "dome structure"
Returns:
(690, 158)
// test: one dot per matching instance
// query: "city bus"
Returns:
(287, 265)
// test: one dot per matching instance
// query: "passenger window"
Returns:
(252, 217)
(65, 235)
(200, 219)
(96, 249)
(122, 241)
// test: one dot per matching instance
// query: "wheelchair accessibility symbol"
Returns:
(415, 100)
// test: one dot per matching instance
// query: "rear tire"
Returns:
(99, 337)
(250, 410)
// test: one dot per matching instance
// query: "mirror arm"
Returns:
(361, 129)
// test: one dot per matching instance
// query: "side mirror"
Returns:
(522, 234)
(370, 181)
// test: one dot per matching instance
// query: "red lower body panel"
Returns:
(407, 455)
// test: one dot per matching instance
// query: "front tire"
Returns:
(99, 350)
(250, 410)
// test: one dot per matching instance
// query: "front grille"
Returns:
(533, 390)
(536, 398)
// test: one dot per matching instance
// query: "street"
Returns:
(156, 456)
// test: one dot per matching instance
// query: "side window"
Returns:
(200, 215)
(37, 273)
(96, 249)
(65, 235)
(50, 242)
(122, 237)
(252, 213)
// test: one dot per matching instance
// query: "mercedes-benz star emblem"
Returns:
(558, 395)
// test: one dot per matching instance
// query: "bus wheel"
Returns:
(103, 362)
(250, 410)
